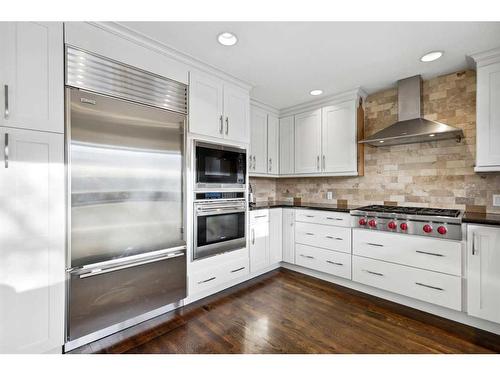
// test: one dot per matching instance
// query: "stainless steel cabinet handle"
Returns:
(6, 92)
(257, 216)
(254, 163)
(317, 162)
(238, 269)
(374, 244)
(306, 256)
(227, 125)
(207, 280)
(335, 238)
(473, 243)
(335, 263)
(221, 124)
(253, 236)
(324, 163)
(6, 150)
(309, 215)
(270, 164)
(310, 234)
(334, 218)
(427, 253)
(374, 273)
(429, 286)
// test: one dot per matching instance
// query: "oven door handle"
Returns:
(218, 212)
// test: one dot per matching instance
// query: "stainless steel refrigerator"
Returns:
(126, 247)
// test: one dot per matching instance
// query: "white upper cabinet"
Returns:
(339, 143)
(308, 142)
(236, 113)
(218, 109)
(32, 75)
(286, 145)
(32, 244)
(483, 270)
(488, 112)
(258, 144)
(272, 145)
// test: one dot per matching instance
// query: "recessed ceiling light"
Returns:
(316, 92)
(227, 39)
(431, 56)
(380, 141)
(432, 135)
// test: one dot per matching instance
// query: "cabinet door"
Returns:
(488, 117)
(308, 142)
(258, 143)
(289, 235)
(31, 242)
(236, 113)
(32, 78)
(483, 270)
(339, 147)
(272, 145)
(206, 105)
(259, 246)
(286, 145)
(275, 236)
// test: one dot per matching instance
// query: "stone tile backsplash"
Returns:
(435, 174)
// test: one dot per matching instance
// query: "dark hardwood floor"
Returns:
(287, 312)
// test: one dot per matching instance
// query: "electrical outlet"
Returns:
(496, 200)
(329, 195)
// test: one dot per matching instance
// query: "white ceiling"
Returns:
(285, 60)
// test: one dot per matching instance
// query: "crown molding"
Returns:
(145, 41)
(264, 106)
(328, 100)
(486, 57)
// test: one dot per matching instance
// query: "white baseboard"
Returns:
(457, 316)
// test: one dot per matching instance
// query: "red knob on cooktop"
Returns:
(392, 225)
(362, 221)
(442, 230)
(427, 228)
(403, 226)
(372, 223)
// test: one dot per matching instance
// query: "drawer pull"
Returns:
(259, 216)
(429, 286)
(374, 244)
(335, 238)
(311, 216)
(334, 218)
(310, 234)
(238, 269)
(306, 256)
(427, 253)
(335, 263)
(374, 273)
(207, 280)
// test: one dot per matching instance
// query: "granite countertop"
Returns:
(314, 206)
(481, 218)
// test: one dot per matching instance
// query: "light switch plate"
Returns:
(329, 195)
(496, 200)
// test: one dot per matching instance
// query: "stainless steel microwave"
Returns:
(219, 166)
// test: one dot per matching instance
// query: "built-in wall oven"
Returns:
(219, 166)
(219, 223)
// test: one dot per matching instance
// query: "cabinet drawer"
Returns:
(331, 262)
(427, 253)
(429, 286)
(259, 216)
(325, 236)
(341, 219)
(235, 269)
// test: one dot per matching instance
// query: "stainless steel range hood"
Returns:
(412, 127)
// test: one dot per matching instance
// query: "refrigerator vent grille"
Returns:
(92, 72)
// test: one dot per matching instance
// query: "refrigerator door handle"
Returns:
(100, 271)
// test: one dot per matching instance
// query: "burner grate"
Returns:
(412, 210)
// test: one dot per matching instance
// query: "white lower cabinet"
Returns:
(324, 236)
(32, 244)
(275, 235)
(288, 235)
(483, 272)
(259, 240)
(328, 261)
(434, 287)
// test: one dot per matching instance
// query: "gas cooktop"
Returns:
(422, 221)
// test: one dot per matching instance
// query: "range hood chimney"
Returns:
(411, 126)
